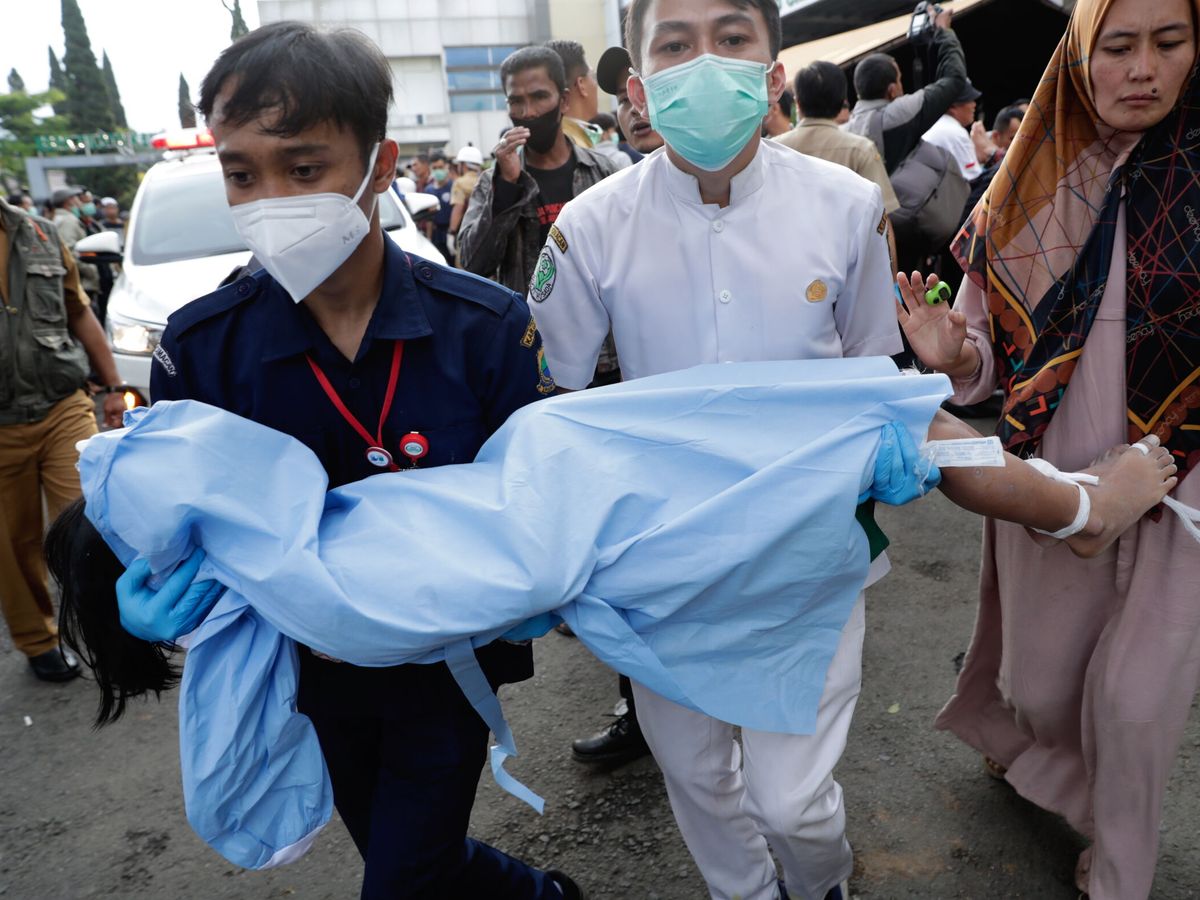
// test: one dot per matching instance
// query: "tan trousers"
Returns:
(36, 458)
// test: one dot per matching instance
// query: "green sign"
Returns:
(100, 142)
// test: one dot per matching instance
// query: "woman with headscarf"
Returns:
(1082, 300)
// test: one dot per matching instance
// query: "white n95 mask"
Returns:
(302, 240)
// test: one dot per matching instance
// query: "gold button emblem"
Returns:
(817, 291)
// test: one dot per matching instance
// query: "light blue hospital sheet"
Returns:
(695, 529)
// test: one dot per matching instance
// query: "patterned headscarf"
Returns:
(1040, 246)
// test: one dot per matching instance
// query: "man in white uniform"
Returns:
(951, 134)
(679, 256)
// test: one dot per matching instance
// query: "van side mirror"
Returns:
(104, 247)
(422, 207)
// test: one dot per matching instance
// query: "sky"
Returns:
(149, 42)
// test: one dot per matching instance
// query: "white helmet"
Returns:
(470, 155)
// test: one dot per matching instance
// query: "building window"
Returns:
(473, 78)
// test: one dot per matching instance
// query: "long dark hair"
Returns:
(89, 621)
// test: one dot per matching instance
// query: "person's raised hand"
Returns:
(508, 157)
(985, 149)
(172, 611)
(936, 332)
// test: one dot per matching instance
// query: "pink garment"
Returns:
(1081, 673)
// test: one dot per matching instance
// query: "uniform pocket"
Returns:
(44, 291)
(62, 364)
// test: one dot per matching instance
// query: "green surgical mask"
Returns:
(709, 108)
(88, 209)
(440, 175)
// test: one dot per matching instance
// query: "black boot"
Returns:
(620, 742)
(570, 890)
(55, 665)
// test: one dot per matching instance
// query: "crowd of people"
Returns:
(594, 248)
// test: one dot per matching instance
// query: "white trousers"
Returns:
(776, 790)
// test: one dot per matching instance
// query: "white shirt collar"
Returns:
(687, 188)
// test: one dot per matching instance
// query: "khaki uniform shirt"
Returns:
(71, 230)
(824, 139)
(464, 185)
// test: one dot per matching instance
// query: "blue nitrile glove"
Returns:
(901, 475)
(172, 611)
(531, 628)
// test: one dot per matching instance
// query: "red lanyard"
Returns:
(376, 454)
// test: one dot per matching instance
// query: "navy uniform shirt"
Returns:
(472, 356)
(443, 192)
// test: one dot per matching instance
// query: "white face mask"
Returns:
(302, 240)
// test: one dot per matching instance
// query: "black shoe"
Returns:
(55, 665)
(570, 890)
(622, 741)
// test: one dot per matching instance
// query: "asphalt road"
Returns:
(99, 814)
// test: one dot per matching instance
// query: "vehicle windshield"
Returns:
(185, 217)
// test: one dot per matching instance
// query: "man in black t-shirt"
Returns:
(537, 172)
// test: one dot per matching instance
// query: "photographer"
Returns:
(903, 118)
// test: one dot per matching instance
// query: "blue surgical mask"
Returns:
(708, 108)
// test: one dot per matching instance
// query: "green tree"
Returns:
(16, 84)
(239, 28)
(88, 106)
(187, 112)
(58, 82)
(114, 95)
(21, 126)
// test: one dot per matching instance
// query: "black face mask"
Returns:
(543, 130)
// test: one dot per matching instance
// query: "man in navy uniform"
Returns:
(378, 362)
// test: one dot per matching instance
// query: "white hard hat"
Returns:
(470, 155)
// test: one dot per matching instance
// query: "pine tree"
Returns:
(16, 84)
(58, 82)
(187, 112)
(239, 28)
(88, 106)
(114, 95)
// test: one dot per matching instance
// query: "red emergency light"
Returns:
(184, 139)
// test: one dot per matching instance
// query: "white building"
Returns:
(445, 55)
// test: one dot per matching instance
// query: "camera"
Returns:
(921, 26)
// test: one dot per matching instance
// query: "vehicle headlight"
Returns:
(132, 336)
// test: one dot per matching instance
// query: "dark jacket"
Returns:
(504, 246)
(907, 118)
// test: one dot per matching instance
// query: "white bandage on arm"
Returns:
(1085, 502)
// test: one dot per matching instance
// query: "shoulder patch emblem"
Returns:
(164, 360)
(544, 277)
(530, 335)
(817, 291)
(559, 240)
(546, 383)
(882, 223)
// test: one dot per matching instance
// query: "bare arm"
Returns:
(1131, 484)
